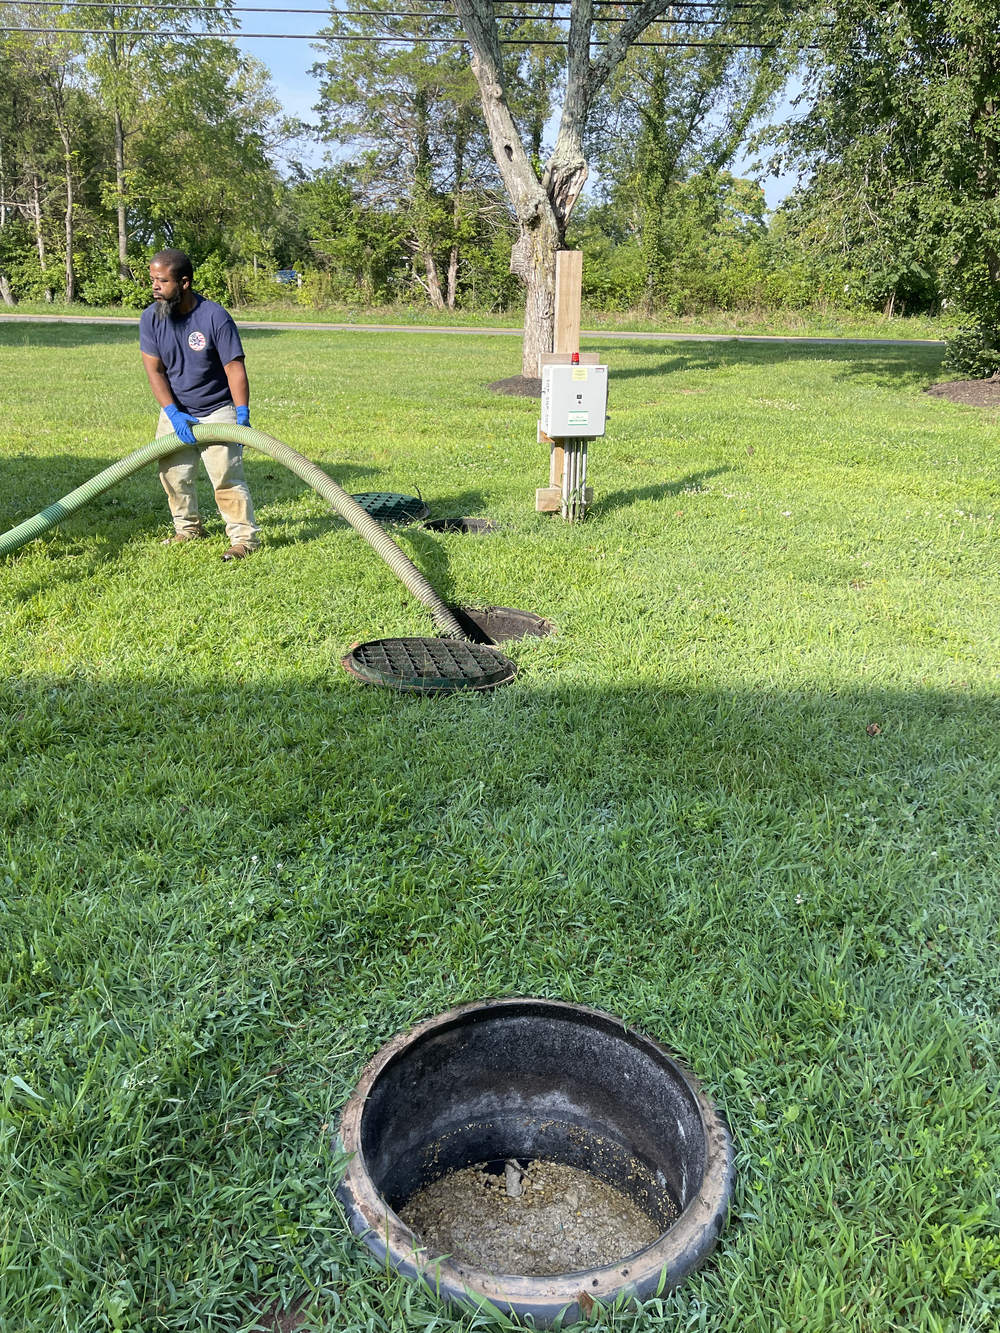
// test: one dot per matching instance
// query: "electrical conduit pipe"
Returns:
(383, 545)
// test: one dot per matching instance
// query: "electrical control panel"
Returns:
(574, 400)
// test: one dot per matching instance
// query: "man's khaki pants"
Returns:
(224, 465)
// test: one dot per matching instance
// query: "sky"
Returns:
(297, 90)
(289, 63)
(776, 188)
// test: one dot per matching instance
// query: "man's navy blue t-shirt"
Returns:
(194, 349)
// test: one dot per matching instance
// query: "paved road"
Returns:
(502, 333)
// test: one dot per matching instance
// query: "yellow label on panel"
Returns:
(579, 372)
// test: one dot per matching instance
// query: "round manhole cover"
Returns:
(389, 507)
(429, 666)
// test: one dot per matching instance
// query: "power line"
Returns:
(333, 37)
(350, 13)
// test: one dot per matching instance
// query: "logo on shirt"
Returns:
(197, 342)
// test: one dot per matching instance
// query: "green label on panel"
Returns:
(577, 418)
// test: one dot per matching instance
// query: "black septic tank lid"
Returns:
(429, 666)
(390, 507)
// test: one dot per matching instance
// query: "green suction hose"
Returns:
(400, 564)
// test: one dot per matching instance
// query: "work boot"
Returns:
(238, 551)
(194, 535)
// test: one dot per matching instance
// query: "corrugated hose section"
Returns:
(379, 540)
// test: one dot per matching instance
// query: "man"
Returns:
(195, 363)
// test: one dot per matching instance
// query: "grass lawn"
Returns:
(228, 873)
(828, 322)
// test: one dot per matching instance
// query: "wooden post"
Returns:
(569, 296)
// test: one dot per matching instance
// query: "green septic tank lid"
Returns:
(390, 507)
(429, 666)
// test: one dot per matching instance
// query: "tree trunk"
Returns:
(70, 270)
(124, 271)
(542, 208)
(423, 243)
(533, 260)
(39, 237)
(456, 221)
(433, 282)
(652, 249)
(452, 277)
(5, 291)
(458, 167)
(654, 182)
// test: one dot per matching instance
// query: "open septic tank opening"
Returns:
(535, 1155)
(501, 624)
(469, 527)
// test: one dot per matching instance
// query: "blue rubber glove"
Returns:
(243, 416)
(181, 423)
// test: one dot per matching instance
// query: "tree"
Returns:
(408, 108)
(543, 201)
(124, 61)
(49, 63)
(670, 116)
(36, 78)
(201, 133)
(360, 250)
(900, 142)
(201, 170)
(9, 137)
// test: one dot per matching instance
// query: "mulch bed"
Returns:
(970, 393)
(518, 386)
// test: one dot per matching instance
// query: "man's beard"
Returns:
(166, 306)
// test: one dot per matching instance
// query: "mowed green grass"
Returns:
(228, 873)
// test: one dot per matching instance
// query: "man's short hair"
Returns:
(176, 262)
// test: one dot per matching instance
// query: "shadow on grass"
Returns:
(137, 508)
(25, 333)
(461, 504)
(32, 483)
(429, 552)
(893, 367)
(604, 504)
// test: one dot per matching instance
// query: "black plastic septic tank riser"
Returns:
(532, 1078)
(429, 666)
(390, 507)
